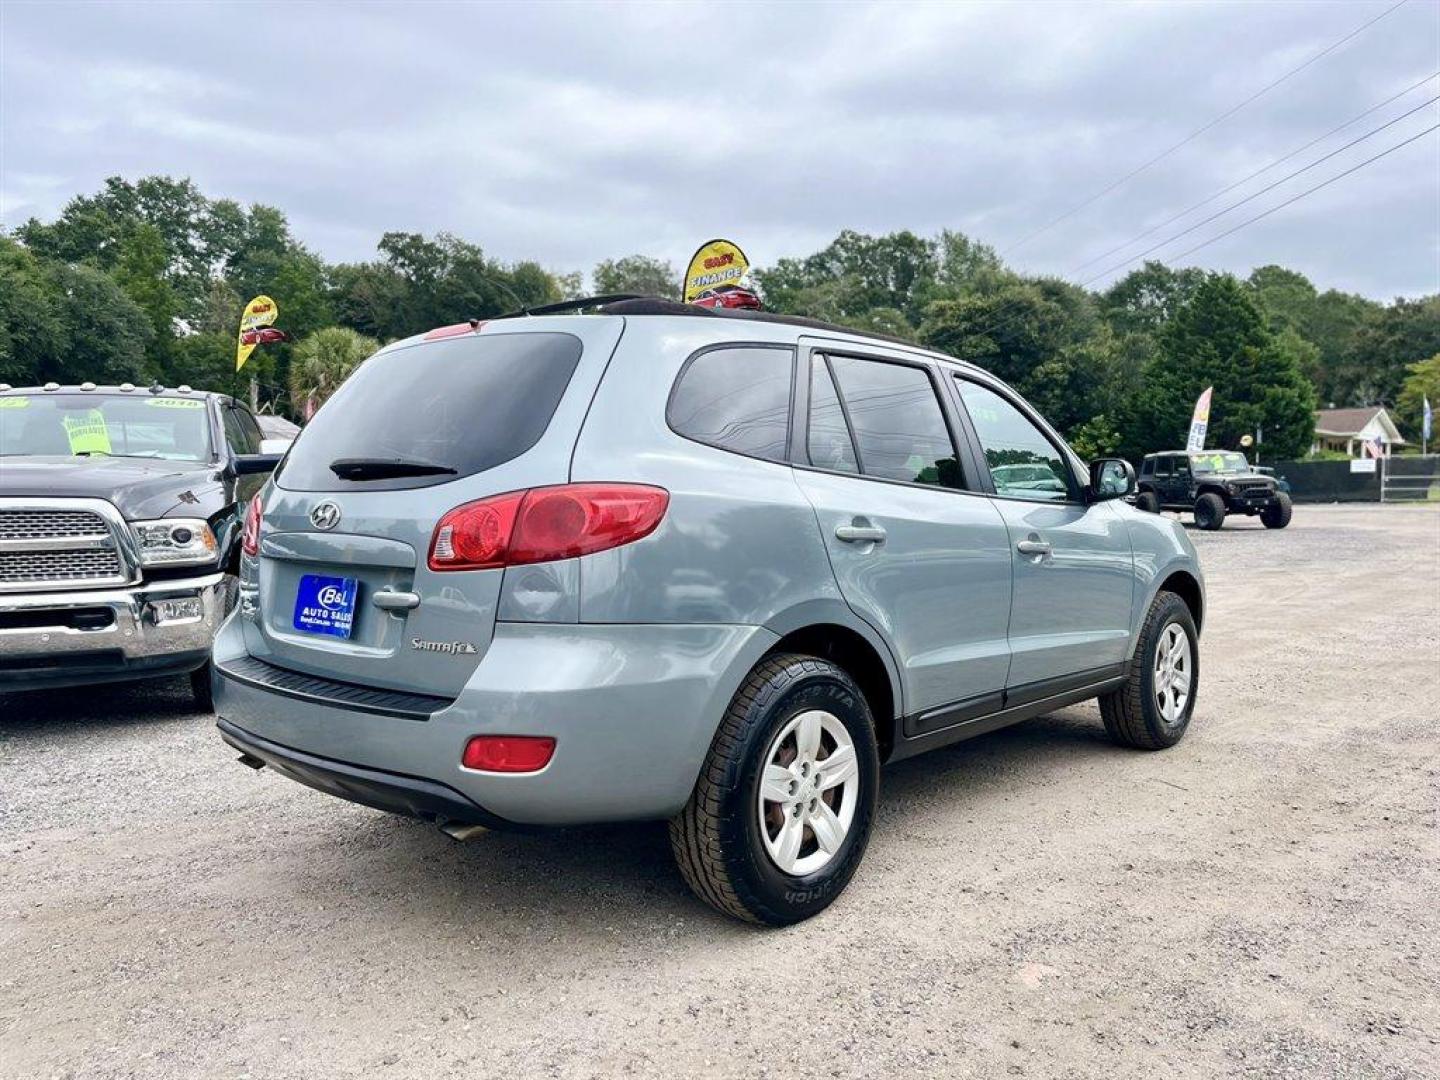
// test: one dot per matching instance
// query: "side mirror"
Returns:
(1111, 478)
(254, 464)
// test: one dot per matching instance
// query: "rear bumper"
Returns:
(50, 639)
(392, 792)
(633, 709)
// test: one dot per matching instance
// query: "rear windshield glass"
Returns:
(466, 404)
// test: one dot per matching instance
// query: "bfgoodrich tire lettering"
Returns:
(717, 838)
(1134, 715)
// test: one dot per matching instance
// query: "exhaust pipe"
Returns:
(459, 831)
(252, 761)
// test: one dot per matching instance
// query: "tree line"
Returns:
(145, 281)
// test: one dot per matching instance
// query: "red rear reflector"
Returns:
(544, 524)
(250, 534)
(508, 753)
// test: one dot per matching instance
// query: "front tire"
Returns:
(1152, 710)
(1277, 514)
(1209, 511)
(782, 811)
(1148, 501)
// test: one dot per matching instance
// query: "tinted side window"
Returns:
(1024, 464)
(1162, 466)
(829, 440)
(1147, 466)
(736, 399)
(899, 427)
(250, 429)
(234, 434)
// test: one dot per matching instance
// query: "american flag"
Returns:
(1375, 447)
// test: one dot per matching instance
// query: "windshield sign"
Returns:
(1219, 463)
(81, 425)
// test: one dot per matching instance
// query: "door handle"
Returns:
(1033, 547)
(387, 600)
(860, 534)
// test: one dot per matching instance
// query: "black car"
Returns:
(1211, 484)
(121, 511)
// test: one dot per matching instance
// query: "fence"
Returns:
(1411, 479)
(1396, 479)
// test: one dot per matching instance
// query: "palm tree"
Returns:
(322, 361)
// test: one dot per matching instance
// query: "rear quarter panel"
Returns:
(739, 543)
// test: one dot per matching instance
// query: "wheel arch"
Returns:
(860, 652)
(1186, 586)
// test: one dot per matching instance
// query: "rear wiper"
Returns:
(386, 468)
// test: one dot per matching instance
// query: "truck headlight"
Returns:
(175, 542)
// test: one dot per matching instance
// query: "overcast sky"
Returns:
(571, 133)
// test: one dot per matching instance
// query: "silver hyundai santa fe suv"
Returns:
(714, 567)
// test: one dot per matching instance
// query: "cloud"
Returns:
(573, 132)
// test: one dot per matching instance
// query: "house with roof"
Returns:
(1348, 430)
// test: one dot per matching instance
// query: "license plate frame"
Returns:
(325, 605)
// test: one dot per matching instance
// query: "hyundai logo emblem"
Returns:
(325, 515)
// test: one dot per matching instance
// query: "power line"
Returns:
(1255, 195)
(1002, 324)
(1308, 191)
(1246, 179)
(1201, 130)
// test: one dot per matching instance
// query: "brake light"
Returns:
(544, 524)
(508, 753)
(250, 535)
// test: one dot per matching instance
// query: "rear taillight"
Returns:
(544, 524)
(508, 753)
(250, 535)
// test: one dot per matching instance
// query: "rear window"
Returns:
(736, 398)
(467, 404)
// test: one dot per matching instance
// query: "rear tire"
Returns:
(1277, 514)
(1209, 511)
(1148, 712)
(1148, 501)
(731, 840)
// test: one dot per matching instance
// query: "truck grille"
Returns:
(40, 547)
(52, 524)
(17, 567)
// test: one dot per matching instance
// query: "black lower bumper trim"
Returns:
(394, 792)
(252, 671)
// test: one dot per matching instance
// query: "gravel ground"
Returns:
(1263, 900)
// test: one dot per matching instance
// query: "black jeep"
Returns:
(1211, 484)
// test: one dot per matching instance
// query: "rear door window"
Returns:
(735, 398)
(467, 404)
(898, 423)
(828, 440)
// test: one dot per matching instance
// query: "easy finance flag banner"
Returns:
(1200, 421)
(717, 264)
(258, 313)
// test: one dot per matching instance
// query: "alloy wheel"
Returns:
(1173, 673)
(809, 790)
